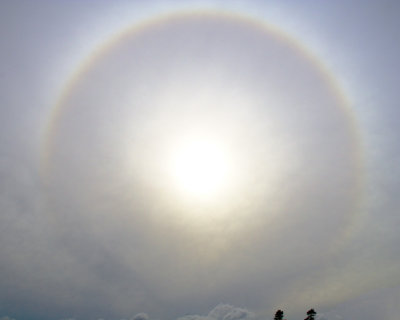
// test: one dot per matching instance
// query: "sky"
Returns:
(199, 160)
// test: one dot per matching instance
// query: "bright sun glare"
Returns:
(200, 168)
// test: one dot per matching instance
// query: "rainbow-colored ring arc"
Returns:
(56, 112)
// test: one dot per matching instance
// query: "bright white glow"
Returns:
(200, 168)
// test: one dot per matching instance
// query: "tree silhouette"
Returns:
(278, 315)
(310, 314)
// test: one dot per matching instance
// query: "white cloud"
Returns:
(223, 312)
(141, 316)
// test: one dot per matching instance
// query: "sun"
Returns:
(200, 168)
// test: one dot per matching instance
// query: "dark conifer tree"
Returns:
(278, 315)
(310, 314)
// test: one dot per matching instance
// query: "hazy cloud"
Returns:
(96, 227)
(6, 318)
